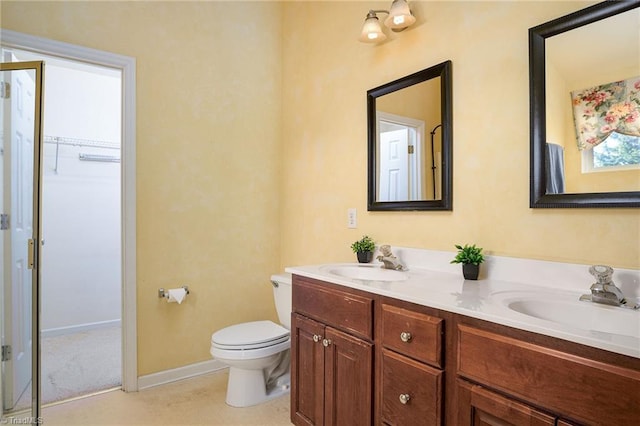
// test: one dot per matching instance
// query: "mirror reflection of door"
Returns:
(409, 171)
(407, 162)
(19, 154)
(400, 158)
(394, 165)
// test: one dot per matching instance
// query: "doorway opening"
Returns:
(51, 50)
(81, 270)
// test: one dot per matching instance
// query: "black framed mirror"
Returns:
(410, 156)
(560, 176)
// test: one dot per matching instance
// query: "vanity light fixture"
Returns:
(399, 19)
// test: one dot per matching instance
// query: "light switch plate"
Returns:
(352, 218)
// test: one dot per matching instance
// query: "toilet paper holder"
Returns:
(165, 293)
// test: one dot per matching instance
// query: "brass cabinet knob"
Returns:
(405, 336)
(404, 398)
(326, 342)
(317, 338)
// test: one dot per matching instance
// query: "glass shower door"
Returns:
(20, 152)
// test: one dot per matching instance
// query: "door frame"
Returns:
(127, 65)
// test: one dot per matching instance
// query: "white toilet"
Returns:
(257, 352)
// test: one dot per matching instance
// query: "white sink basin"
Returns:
(367, 273)
(568, 310)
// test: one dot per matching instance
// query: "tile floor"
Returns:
(194, 401)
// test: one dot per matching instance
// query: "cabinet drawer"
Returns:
(483, 407)
(422, 384)
(561, 382)
(413, 334)
(342, 310)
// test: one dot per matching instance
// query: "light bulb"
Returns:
(398, 20)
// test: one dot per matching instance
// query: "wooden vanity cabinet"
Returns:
(508, 372)
(335, 334)
(364, 359)
(331, 356)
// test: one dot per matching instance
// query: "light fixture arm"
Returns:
(373, 13)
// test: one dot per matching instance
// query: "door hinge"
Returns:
(5, 90)
(4, 222)
(6, 352)
(410, 147)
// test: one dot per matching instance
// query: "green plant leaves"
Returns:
(364, 244)
(469, 254)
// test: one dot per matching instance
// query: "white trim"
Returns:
(128, 67)
(168, 376)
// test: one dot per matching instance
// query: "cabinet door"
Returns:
(307, 371)
(348, 379)
(479, 407)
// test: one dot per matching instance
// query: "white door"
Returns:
(18, 158)
(394, 165)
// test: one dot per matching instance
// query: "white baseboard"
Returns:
(168, 376)
(51, 332)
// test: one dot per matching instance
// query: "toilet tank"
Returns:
(282, 297)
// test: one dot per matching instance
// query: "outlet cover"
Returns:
(352, 218)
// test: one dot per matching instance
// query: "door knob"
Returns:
(404, 398)
(405, 336)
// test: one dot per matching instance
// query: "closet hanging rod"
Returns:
(100, 158)
(60, 140)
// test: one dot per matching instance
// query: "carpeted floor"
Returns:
(77, 364)
(81, 363)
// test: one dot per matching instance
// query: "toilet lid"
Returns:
(250, 335)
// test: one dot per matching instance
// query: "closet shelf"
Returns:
(59, 140)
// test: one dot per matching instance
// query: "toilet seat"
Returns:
(228, 355)
(250, 335)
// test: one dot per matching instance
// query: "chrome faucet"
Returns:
(604, 290)
(388, 259)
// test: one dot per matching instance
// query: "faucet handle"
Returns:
(602, 273)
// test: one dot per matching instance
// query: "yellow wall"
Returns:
(557, 98)
(208, 145)
(327, 74)
(252, 145)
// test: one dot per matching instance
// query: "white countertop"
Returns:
(488, 299)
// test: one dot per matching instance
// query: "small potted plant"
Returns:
(364, 248)
(471, 257)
